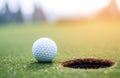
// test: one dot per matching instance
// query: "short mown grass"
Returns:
(94, 39)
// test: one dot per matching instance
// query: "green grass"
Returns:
(91, 39)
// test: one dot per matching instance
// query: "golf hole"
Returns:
(88, 63)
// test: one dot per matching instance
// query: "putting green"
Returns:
(96, 39)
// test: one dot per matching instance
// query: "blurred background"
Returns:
(12, 11)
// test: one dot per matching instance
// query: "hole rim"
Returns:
(113, 63)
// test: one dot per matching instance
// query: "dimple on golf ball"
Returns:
(44, 50)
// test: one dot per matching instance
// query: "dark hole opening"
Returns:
(88, 63)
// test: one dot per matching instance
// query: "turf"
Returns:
(96, 39)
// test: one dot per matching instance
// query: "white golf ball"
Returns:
(44, 50)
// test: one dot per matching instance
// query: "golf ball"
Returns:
(44, 50)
